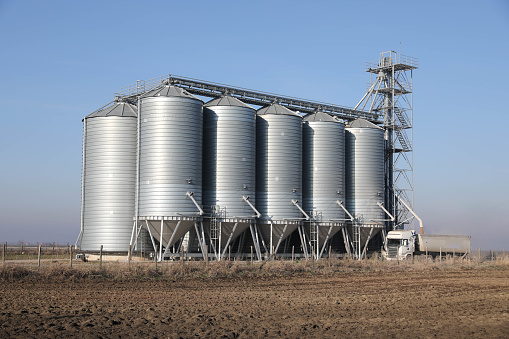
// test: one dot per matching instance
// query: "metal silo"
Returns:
(170, 164)
(278, 173)
(108, 178)
(364, 180)
(323, 174)
(228, 170)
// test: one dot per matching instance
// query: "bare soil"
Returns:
(451, 303)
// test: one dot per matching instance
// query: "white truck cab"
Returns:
(400, 245)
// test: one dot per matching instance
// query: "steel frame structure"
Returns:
(215, 90)
(388, 102)
(390, 96)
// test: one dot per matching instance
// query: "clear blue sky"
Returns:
(61, 60)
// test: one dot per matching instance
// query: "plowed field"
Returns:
(453, 303)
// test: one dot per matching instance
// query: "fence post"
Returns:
(3, 253)
(251, 255)
(492, 254)
(479, 254)
(155, 256)
(53, 251)
(22, 247)
(182, 255)
(70, 255)
(453, 255)
(230, 253)
(293, 253)
(206, 255)
(38, 256)
(129, 256)
(101, 257)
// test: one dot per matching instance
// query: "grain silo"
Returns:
(323, 173)
(278, 173)
(228, 170)
(170, 163)
(108, 178)
(364, 179)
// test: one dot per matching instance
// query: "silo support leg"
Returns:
(280, 239)
(325, 242)
(136, 234)
(151, 237)
(303, 241)
(200, 240)
(345, 240)
(130, 242)
(161, 242)
(168, 245)
(254, 235)
(366, 245)
(271, 244)
(228, 241)
(384, 239)
(258, 234)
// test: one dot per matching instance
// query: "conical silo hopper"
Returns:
(278, 173)
(170, 160)
(323, 174)
(364, 179)
(228, 170)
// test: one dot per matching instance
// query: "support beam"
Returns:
(296, 203)
(387, 212)
(346, 241)
(303, 242)
(200, 240)
(341, 204)
(325, 241)
(151, 238)
(280, 239)
(169, 241)
(411, 211)
(228, 241)
(366, 245)
(190, 195)
(215, 90)
(246, 199)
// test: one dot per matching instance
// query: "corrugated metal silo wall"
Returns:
(365, 173)
(229, 158)
(278, 165)
(110, 181)
(323, 168)
(170, 156)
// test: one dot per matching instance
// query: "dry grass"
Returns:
(60, 270)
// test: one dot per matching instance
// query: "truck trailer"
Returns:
(403, 244)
